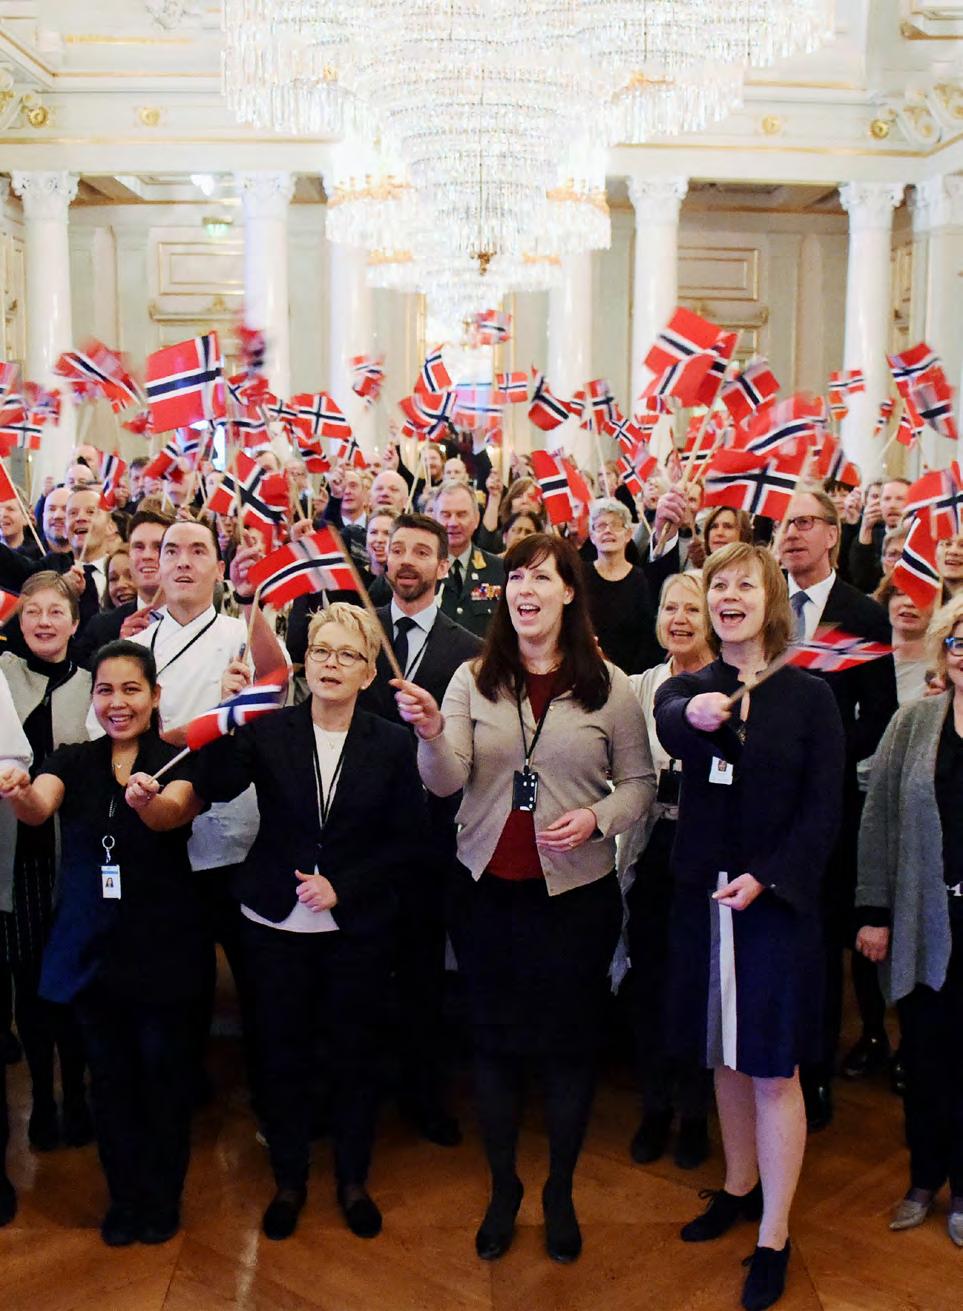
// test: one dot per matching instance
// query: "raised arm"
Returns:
(162, 808)
(32, 803)
(446, 746)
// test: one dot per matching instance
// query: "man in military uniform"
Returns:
(475, 579)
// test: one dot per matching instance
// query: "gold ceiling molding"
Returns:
(910, 32)
(93, 39)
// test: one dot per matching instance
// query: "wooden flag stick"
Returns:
(170, 764)
(255, 606)
(368, 605)
(686, 476)
(419, 466)
(772, 668)
(26, 514)
(603, 475)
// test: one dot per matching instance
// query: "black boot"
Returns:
(281, 1217)
(497, 1229)
(650, 1139)
(766, 1280)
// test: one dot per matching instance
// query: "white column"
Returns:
(265, 197)
(811, 372)
(870, 207)
(938, 226)
(46, 201)
(570, 351)
(350, 332)
(655, 278)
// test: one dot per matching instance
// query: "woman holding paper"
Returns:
(127, 942)
(758, 814)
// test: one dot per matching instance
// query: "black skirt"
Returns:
(535, 966)
(24, 930)
(745, 987)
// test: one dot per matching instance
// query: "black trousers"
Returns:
(141, 1072)
(932, 1024)
(225, 919)
(301, 982)
(666, 1083)
(44, 1027)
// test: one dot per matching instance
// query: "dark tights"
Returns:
(568, 1086)
(43, 1026)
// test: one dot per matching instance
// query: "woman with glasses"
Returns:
(342, 823)
(910, 903)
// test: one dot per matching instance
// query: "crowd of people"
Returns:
(575, 796)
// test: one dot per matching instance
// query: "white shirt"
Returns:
(98, 572)
(14, 747)
(818, 595)
(417, 636)
(303, 919)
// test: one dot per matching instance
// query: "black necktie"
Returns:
(403, 627)
(458, 576)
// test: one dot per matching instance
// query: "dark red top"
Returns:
(516, 856)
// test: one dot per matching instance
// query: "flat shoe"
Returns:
(281, 1217)
(563, 1238)
(909, 1214)
(497, 1229)
(766, 1280)
(954, 1227)
(361, 1216)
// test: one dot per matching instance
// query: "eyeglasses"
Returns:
(346, 656)
(954, 645)
(803, 523)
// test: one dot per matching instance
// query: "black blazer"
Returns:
(779, 818)
(447, 646)
(376, 827)
(103, 628)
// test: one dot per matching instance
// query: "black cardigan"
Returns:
(778, 819)
(376, 827)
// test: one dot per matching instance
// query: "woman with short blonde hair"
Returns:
(777, 626)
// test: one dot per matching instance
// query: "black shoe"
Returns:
(766, 1280)
(43, 1131)
(869, 1055)
(78, 1124)
(120, 1226)
(160, 1225)
(361, 1215)
(11, 1053)
(692, 1145)
(897, 1074)
(721, 1214)
(8, 1200)
(649, 1140)
(819, 1106)
(497, 1229)
(563, 1238)
(281, 1217)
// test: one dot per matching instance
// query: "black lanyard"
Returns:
(324, 803)
(186, 647)
(530, 750)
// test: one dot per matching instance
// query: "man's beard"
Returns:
(423, 587)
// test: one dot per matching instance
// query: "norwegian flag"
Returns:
(792, 422)
(699, 445)
(723, 349)
(253, 348)
(886, 408)
(185, 445)
(636, 469)
(477, 406)
(546, 410)
(261, 697)
(347, 451)
(685, 335)
(97, 370)
(315, 460)
(757, 484)
(579, 490)
(279, 411)
(243, 481)
(910, 365)
(490, 328)
(44, 404)
(8, 606)
(938, 497)
(7, 490)
(627, 433)
(933, 398)
(684, 379)
(311, 564)
(744, 394)
(185, 383)
(367, 376)
(605, 409)
(139, 424)
(831, 464)
(552, 479)
(513, 386)
(429, 414)
(843, 383)
(832, 650)
(248, 426)
(434, 377)
(916, 572)
(24, 433)
(11, 396)
(318, 416)
(911, 424)
(112, 470)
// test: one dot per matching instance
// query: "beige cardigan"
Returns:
(597, 759)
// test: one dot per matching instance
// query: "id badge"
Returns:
(670, 785)
(110, 882)
(524, 790)
(720, 771)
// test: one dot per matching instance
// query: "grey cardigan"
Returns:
(596, 759)
(70, 703)
(901, 849)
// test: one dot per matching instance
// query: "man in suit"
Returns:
(146, 533)
(866, 697)
(474, 580)
(429, 647)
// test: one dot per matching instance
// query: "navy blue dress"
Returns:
(745, 986)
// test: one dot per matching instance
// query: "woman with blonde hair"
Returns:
(666, 1085)
(910, 903)
(758, 815)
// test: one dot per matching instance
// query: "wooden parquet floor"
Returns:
(845, 1258)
